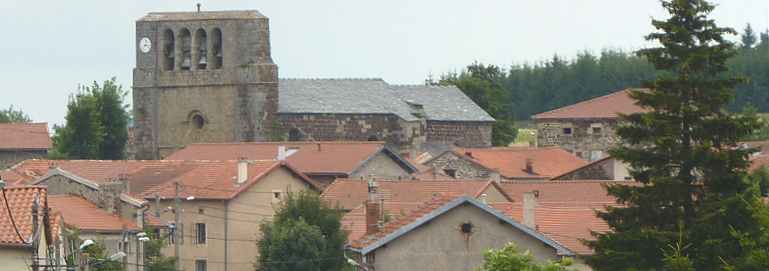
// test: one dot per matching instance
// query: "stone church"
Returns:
(210, 77)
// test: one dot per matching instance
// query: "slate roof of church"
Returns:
(375, 96)
(202, 15)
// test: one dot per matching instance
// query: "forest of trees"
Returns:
(534, 88)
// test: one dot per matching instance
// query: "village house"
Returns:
(37, 241)
(117, 234)
(321, 161)
(562, 211)
(505, 163)
(221, 203)
(446, 233)
(585, 128)
(21, 141)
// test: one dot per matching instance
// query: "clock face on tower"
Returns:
(145, 45)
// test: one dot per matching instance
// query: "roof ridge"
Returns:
(588, 101)
(335, 78)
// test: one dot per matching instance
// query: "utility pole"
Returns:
(177, 227)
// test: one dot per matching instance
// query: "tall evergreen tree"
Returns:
(693, 191)
(748, 37)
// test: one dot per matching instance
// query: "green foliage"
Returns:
(509, 258)
(98, 258)
(12, 115)
(685, 154)
(483, 84)
(96, 124)
(154, 260)
(538, 87)
(748, 37)
(305, 234)
(760, 176)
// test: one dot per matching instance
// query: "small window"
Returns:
(276, 195)
(372, 138)
(197, 120)
(467, 228)
(450, 172)
(201, 265)
(596, 130)
(200, 233)
(567, 131)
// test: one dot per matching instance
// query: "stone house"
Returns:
(117, 234)
(607, 168)
(40, 239)
(208, 76)
(21, 141)
(446, 233)
(321, 161)
(222, 202)
(585, 128)
(508, 163)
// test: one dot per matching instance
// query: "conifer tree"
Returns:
(748, 37)
(692, 189)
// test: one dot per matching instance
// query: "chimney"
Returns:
(529, 207)
(282, 153)
(529, 166)
(242, 170)
(319, 148)
(373, 208)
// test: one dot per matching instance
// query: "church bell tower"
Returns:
(202, 77)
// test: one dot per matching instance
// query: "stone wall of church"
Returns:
(588, 139)
(462, 134)
(397, 133)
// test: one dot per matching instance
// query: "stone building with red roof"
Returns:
(585, 128)
(21, 141)
(505, 163)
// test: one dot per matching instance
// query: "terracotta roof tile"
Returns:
(20, 200)
(84, 215)
(606, 106)
(510, 162)
(349, 193)
(24, 136)
(309, 157)
(565, 210)
(423, 209)
(202, 178)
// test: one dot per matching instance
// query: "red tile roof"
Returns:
(203, 179)
(26, 171)
(349, 193)
(84, 215)
(606, 106)
(758, 161)
(20, 200)
(565, 210)
(390, 227)
(24, 136)
(510, 162)
(310, 157)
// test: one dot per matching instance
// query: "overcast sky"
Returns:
(49, 47)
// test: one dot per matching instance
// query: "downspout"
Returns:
(226, 234)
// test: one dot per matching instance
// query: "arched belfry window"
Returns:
(169, 50)
(216, 49)
(185, 48)
(201, 45)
